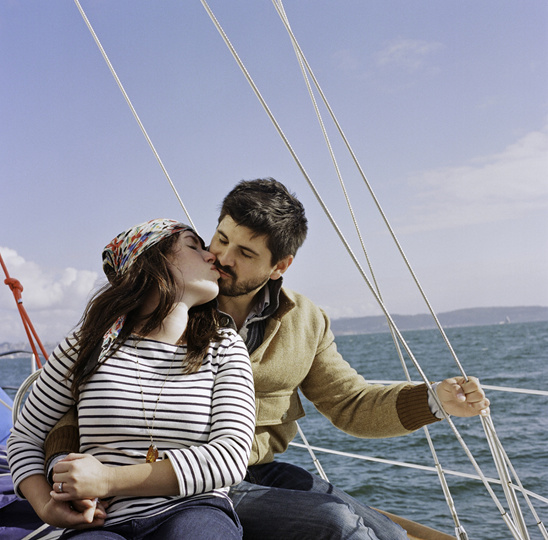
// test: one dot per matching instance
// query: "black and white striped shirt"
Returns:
(203, 422)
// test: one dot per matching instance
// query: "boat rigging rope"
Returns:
(306, 70)
(484, 386)
(373, 290)
(503, 512)
(32, 335)
(302, 58)
(122, 89)
(504, 460)
(494, 443)
(411, 466)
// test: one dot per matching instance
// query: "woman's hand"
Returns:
(93, 509)
(63, 514)
(82, 514)
(460, 397)
(79, 477)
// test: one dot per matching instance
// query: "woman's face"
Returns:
(193, 270)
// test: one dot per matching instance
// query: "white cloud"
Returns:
(346, 60)
(492, 188)
(53, 300)
(410, 54)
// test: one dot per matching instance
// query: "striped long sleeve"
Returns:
(202, 422)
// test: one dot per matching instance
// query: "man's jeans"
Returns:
(203, 519)
(280, 501)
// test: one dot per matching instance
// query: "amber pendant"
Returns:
(152, 454)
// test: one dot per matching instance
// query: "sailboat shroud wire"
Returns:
(374, 291)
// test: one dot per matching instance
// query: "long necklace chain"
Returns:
(152, 453)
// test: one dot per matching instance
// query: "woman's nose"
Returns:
(209, 257)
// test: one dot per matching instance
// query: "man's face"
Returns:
(243, 259)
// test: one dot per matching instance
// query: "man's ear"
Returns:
(281, 267)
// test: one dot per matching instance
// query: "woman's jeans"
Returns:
(280, 501)
(203, 519)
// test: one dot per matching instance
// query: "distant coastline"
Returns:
(378, 324)
(458, 318)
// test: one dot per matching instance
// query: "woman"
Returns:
(164, 397)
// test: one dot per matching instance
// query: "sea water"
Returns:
(509, 355)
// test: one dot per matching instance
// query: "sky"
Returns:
(445, 105)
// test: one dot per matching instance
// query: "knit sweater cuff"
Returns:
(63, 439)
(413, 409)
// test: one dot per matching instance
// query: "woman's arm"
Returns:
(84, 477)
(219, 463)
(223, 461)
(49, 400)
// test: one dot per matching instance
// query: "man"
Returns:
(260, 229)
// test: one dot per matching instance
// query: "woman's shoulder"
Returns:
(65, 353)
(230, 343)
(68, 345)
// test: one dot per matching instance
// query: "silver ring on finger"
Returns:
(60, 487)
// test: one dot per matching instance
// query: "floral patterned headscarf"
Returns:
(122, 252)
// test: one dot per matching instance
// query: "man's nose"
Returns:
(224, 257)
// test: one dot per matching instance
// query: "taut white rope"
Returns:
(279, 7)
(120, 85)
(460, 531)
(495, 445)
(503, 512)
(374, 290)
(411, 466)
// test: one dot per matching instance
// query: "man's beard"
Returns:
(233, 288)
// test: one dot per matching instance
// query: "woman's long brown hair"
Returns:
(125, 295)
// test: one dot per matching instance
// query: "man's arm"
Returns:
(368, 410)
(62, 440)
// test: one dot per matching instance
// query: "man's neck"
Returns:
(238, 307)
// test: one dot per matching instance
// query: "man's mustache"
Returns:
(224, 269)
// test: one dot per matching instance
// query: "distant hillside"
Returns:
(460, 317)
(376, 324)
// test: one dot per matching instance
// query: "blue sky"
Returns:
(444, 103)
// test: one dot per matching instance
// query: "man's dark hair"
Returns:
(267, 208)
